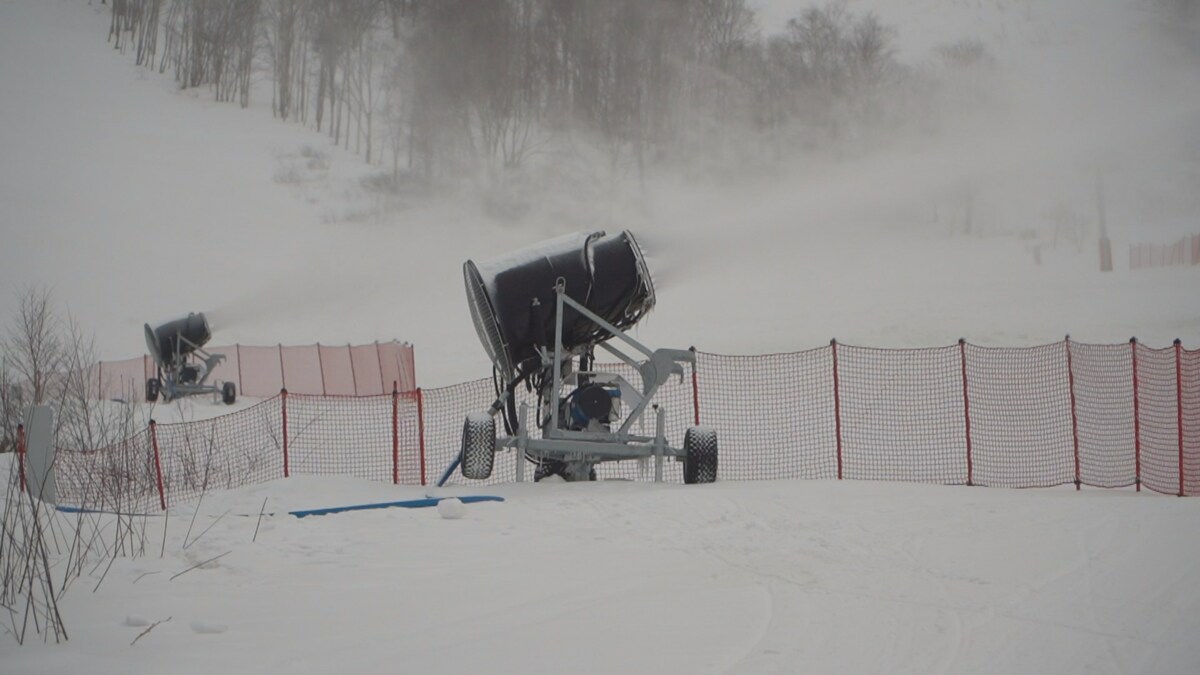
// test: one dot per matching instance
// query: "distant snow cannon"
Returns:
(540, 313)
(183, 366)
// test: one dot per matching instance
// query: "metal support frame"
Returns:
(591, 447)
(175, 389)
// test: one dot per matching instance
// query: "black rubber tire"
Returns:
(700, 456)
(228, 393)
(478, 447)
(153, 386)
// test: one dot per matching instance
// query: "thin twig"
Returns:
(166, 519)
(260, 515)
(189, 530)
(199, 564)
(143, 574)
(106, 569)
(207, 529)
(148, 629)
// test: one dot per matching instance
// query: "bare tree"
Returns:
(34, 344)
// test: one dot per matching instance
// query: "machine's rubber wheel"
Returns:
(700, 455)
(228, 393)
(478, 446)
(153, 386)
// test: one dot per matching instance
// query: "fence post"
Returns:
(237, 347)
(100, 380)
(283, 408)
(395, 435)
(353, 375)
(837, 407)
(1137, 418)
(962, 355)
(1106, 263)
(321, 365)
(282, 374)
(1179, 406)
(379, 360)
(1074, 413)
(162, 495)
(21, 454)
(421, 430)
(695, 389)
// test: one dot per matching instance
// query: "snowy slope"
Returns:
(136, 203)
(634, 578)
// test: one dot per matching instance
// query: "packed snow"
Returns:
(135, 202)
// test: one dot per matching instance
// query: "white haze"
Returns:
(149, 203)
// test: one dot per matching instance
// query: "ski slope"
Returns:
(135, 203)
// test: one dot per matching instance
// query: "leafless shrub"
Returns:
(42, 549)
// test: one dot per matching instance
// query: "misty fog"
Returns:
(895, 172)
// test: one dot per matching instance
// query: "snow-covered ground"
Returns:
(770, 577)
(136, 202)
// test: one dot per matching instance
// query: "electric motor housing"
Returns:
(591, 403)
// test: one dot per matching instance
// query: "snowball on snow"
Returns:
(452, 508)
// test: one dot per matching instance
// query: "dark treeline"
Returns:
(440, 89)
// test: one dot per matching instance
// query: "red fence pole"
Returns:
(962, 353)
(695, 389)
(21, 454)
(1074, 413)
(1106, 263)
(837, 408)
(421, 430)
(1137, 419)
(162, 495)
(283, 407)
(1179, 406)
(395, 435)
(353, 375)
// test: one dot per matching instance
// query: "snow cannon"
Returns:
(541, 313)
(182, 365)
(512, 298)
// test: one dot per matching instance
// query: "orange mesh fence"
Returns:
(1186, 251)
(1020, 416)
(1190, 419)
(1103, 388)
(242, 448)
(120, 478)
(1097, 415)
(354, 436)
(774, 414)
(1158, 419)
(910, 403)
(261, 372)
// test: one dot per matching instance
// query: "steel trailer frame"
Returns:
(587, 448)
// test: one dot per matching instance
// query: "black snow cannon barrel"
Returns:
(512, 298)
(177, 338)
